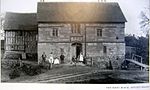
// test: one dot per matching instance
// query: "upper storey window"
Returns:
(75, 28)
(99, 32)
(55, 32)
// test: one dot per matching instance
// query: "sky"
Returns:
(130, 8)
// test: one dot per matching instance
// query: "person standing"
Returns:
(62, 58)
(44, 57)
(81, 57)
(56, 61)
(74, 60)
(51, 60)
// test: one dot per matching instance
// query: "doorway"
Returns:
(77, 49)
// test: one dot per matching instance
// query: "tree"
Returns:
(131, 40)
(141, 45)
(142, 48)
(145, 22)
(2, 25)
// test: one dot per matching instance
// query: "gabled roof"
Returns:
(79, 12)
(20, 21)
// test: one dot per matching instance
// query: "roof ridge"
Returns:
(79, 12)
(82, 2)
(19, 13)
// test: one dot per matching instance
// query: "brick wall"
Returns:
(112, 37)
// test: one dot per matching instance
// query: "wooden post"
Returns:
(141, 68)
(75, 61)
(85, 39)
(51, 65)
(141, 62)
(132, 56)
(91, 61)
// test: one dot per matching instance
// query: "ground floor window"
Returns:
(99, 32)
(104, 49)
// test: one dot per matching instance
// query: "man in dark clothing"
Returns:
(62, 58)
(44, 57)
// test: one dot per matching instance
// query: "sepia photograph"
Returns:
(75, 41)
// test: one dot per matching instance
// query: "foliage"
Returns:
(145, 22)
(2, 16)
(141, 45)
(14, 73)
(131, 41)
(28, 69)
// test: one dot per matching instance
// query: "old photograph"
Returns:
(89, 42)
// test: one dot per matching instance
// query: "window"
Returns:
(75, 28)
(72, 28)
(78, 28)
(8, 33)
(99, 32)
(104, 49)
(117, 37)
(55, 32)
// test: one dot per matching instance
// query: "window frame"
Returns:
(75, 28)
(99, 32)
(105, 49)
(55, 32)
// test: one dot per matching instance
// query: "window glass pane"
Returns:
(8, 34)
(104, 49)
(75, 28)
(13, 34)
(55, 32)
(13, 40)
(99, 32)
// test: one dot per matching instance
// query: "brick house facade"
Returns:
(95, 29)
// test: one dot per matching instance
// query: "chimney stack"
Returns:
(42, 0)
(101, 0)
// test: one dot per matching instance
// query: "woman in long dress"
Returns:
(56, 61)
(81, 57)
(51, 60)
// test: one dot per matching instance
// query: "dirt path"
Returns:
(80, 74)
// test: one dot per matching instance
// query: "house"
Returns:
(21, 34)
(69, 28)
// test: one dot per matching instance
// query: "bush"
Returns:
(14, 73)
(28, 69)
(12, 56)
(31, 70)
(15, 70)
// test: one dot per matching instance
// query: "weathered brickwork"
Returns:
(115, 53)
(61, 28)
(112, 39)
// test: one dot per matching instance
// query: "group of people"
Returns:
(80, 58)
(51, 60)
